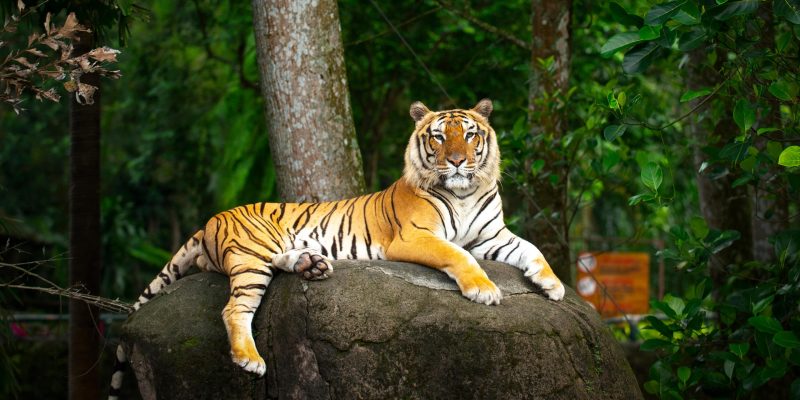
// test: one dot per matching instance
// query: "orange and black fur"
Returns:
(445, 212)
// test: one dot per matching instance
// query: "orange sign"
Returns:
(626, 277)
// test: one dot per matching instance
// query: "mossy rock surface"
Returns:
(379, 330)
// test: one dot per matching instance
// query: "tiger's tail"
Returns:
(191, 253)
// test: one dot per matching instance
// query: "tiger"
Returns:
(445, 212)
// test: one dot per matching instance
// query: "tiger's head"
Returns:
(454, 149)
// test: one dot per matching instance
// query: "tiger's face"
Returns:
(454, 149)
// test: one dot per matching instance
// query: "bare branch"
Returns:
(76, 293)
(467, 15)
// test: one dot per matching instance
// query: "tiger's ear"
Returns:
(484, 108)
(418, 111)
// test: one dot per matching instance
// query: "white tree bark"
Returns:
(304, 84)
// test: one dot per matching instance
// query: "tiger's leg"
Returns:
(510, 248)
(456, 262)
(307, 262)
(249, 278)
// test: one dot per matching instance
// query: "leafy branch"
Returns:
(49, 57)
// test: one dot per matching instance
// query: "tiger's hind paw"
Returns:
(313, 266)
(307, 263)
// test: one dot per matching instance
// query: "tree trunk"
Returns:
(304, 84)
(550, 20)
(723, 206)
(84, 237)
(770, 198)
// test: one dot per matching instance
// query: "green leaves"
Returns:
(684, 373)
(720, 240)
(790, 157)
(693, 94)
(691, 40)
(639, 58)
(754, 339)
(655, 344)
(623, 17)
(744, 115)
(699, 227)
(788, 9)
(650, 32)
(783, 90)
(689, 14)
(618, 42)
(641, 197)
(765, 324)
(652, 176)
(728, 366)
(780, 90)
(651, 387)
(786, 339)
(671, 306)
(659, 326)
(735, 8)
(536, 166)
(612, 132)
(661, 13)
(739, 349)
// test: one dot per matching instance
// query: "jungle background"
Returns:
(653, 122)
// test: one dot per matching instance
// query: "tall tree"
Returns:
(303, 81)
(84, 234)
(770, 202)
(723, 205)
(549, 83)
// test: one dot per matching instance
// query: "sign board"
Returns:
(626, 277)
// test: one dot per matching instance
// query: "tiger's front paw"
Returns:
(541, 275)
(249, 362)
(480, 289)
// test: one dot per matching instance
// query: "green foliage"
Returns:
(790, 157)
(752, 341)
(735, 327)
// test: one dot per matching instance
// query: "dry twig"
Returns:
(75, 292)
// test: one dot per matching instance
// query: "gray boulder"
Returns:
(379, 330)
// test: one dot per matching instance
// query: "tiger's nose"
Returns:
(456, 159)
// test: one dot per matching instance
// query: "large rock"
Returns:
(379, 330)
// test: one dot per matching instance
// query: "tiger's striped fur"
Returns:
(445, 212)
